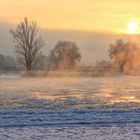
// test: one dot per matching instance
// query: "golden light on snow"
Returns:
(125, 99)
(44, 96)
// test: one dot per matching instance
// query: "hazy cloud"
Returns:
(93, 46)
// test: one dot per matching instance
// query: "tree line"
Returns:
(28, 44)
(124, 55)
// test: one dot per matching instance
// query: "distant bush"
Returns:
(7, 63)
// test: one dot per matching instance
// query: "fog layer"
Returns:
(93, 46)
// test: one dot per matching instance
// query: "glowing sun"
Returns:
(132, 27)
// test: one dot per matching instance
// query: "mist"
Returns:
(93, 45)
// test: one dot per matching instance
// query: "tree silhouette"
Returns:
(65, 55)
(28, 43)
(123, 54)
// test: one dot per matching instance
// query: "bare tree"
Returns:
(124, 54)
(65, 55)
(28, 43)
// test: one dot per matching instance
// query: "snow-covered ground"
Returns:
(69, 108)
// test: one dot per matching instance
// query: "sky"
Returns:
(91, 15)
(92, 24)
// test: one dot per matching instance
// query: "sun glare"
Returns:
(132, 27)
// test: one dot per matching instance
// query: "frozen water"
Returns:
(69, 108)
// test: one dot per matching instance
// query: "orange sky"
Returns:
(91, 15)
